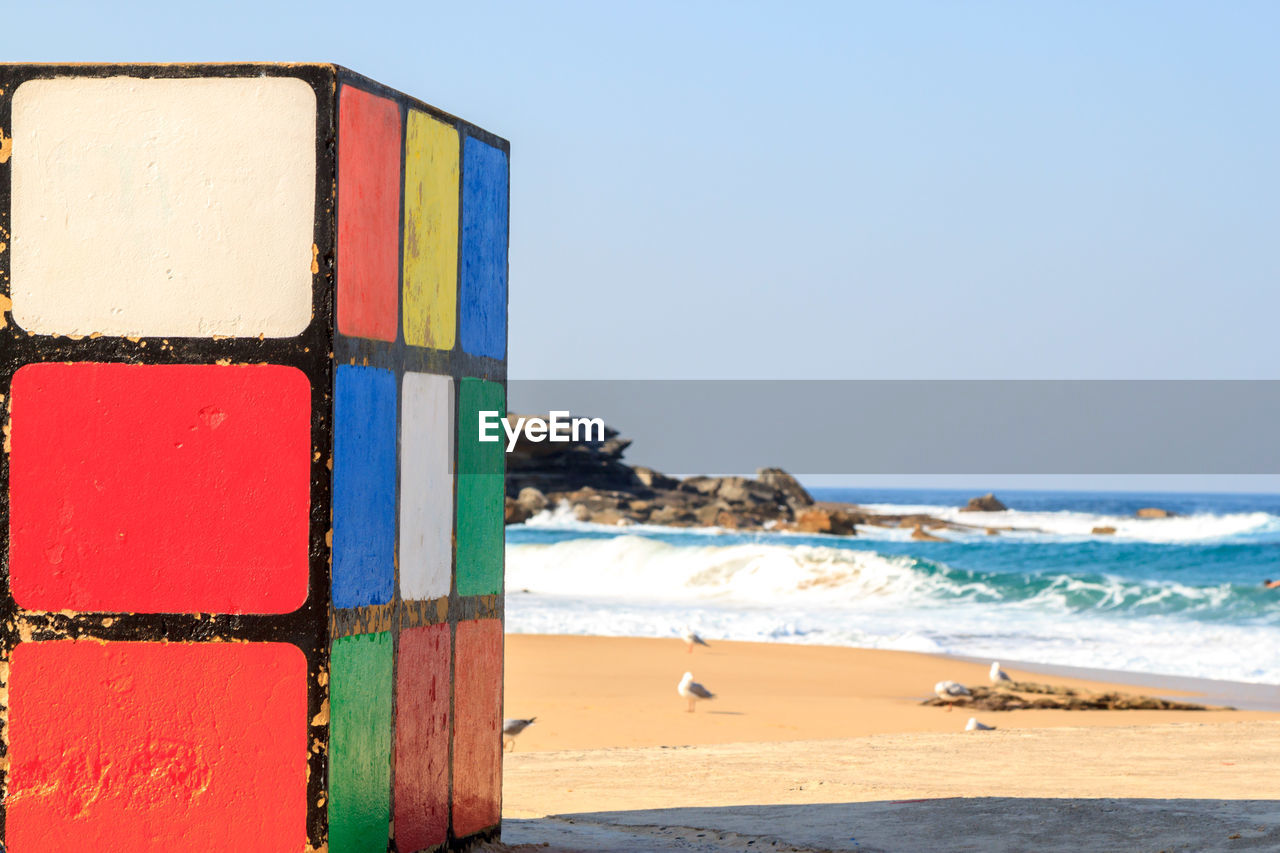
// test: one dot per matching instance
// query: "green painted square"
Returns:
(481, 468)
(360, 743)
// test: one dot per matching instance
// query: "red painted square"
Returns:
(369, 148)
(422, 738)
(164, 747)
(477, 726)
(159, 488)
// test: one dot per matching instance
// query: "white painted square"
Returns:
(163, 207)
(426, 486)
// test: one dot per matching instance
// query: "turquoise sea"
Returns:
(1179, 596)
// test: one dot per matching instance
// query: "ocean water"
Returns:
(1179, 596)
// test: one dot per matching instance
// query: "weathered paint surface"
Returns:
(422, 737)
(481, 466)
(164, 747)
(360, 743)
(477, 726)
(342, 435)
(368, 215)
(430, 232)
(138, 206)
(484, 249)
(159, 488)
(364, 486)
(426, 491)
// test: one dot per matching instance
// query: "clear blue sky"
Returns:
(837, 190)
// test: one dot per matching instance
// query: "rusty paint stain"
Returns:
(322, 718)
(442, 609)
(6, 147)
(315, 259)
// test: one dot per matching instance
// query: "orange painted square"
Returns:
(369, 149)
(477, 726)
(157, 747)
(422, 737)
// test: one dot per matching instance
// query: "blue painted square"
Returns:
(482, 292)
(364, 486)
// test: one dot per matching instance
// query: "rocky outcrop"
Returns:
(987, 503)
(592, 480)
(1103, 531)
(796, 494)
(1153, 512)
(1019, 696)
(654, 480)
(558, 467)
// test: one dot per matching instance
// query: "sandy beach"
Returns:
(803, 727)
(608, 692)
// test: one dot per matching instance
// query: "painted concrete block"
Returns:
(422, 737)
(138, 205)
(360, 743)
(431, 151)
(481, 470)
(484, 249)
(368, 214)
(426, 496)
(364, 486)
(477, 726)
(159, 488)
(125, 747)
(247, 600)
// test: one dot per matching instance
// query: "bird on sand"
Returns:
(997, 674)
(692, 639)
(974, 726)
(511, 729)
(950, 692)
(692, 690)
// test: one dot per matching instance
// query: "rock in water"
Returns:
(796, 494)
(987, 503)
(514, 513)
(1153, 512)
(919, 535)
(655, 480)
(532, 500)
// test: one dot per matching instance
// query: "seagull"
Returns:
(512, 728)
(974, 726)
(950, 691)
(692, 690)
(692, 639)
(997, 674)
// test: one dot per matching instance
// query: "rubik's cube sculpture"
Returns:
(253, 548)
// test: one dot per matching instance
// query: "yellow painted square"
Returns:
(430, 232)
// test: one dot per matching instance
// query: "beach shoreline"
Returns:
(592, 692)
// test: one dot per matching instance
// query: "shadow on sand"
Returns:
(985, 824)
